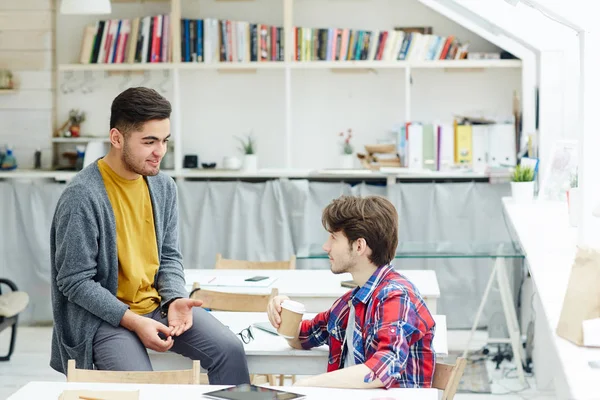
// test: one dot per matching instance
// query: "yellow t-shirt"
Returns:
(136, 240)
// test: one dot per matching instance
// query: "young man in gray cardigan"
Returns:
(117, 273)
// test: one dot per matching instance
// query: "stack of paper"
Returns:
(233, 281)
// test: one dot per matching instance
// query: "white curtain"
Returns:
(275, 219)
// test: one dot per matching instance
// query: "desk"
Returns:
(549, 244)
(317, 289)
(270, 354)
(51, 391)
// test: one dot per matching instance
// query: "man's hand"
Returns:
(180, 315)
(274, 310)
(148, 329)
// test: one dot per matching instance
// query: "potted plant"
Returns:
(347, 156)
(522, 184)
(248, 148)
(76, 118)
(574, 200)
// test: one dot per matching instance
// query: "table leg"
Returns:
(512, 323)
(486, 293)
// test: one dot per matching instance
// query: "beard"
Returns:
(138, 167)
(343, 266)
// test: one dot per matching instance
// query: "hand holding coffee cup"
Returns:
(292, 314)
(274, 310)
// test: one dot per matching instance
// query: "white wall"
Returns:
(26, 43)
(218, 106)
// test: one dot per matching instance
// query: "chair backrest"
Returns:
(180, 377)
(446, 377)
(223, 301)
(223, 263)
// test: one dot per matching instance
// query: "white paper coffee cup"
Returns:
(291, 316)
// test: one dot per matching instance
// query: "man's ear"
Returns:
(116, 138)
(361, 246)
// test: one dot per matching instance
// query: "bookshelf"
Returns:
(179, 72)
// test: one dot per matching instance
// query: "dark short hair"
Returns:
(372, 218)
(134, 107)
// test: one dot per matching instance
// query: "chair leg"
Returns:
(281, 379)
(11, 347)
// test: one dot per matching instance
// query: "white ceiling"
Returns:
(534, 28)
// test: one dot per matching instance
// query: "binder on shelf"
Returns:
(445, 147)
(502, 145)
(429, 158)
(415, 146)
(480, 147)
(463, 144)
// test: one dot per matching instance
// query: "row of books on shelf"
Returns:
(137, 40)
(148, 40)
(386, 45)
(440, 147)
(213, 40)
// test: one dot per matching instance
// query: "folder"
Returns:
(502, 147)
(463, 144)
(415, 146)
(429, 159)
(480, 147)
(445, 149)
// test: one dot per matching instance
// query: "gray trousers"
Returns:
(219, 350)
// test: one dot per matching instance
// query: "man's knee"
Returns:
(232, 349)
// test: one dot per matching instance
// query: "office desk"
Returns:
(316, 289)
(51, 391)
(270, 354)
(550, 246)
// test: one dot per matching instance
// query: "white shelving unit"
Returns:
(390, 175)
(82, 140)
(441, 64)
(287, 66)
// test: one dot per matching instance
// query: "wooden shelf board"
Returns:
(85, 139)
(116, 67)
(440, 64)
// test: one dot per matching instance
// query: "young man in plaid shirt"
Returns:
(380, 334)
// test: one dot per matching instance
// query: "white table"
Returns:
(317, 289)
(270, 354)
(549, 244)
(51, 391)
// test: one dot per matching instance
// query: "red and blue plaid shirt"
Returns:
(393, 331)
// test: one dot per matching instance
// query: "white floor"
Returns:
(32, 354)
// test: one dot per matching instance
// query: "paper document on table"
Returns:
(100, 394)
(233, 281)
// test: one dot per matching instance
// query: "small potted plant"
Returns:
(76, 118)
(248, 148)
(522, 184)
(347, 156)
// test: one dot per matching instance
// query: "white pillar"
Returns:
(589, 138)
(551, 100)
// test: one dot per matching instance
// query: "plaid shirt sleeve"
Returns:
(313, 333)
(396, 322)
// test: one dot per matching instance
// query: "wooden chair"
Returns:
(181, 377)
(11, 304)
(223, 263)
(446, 377)
(223, 301)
